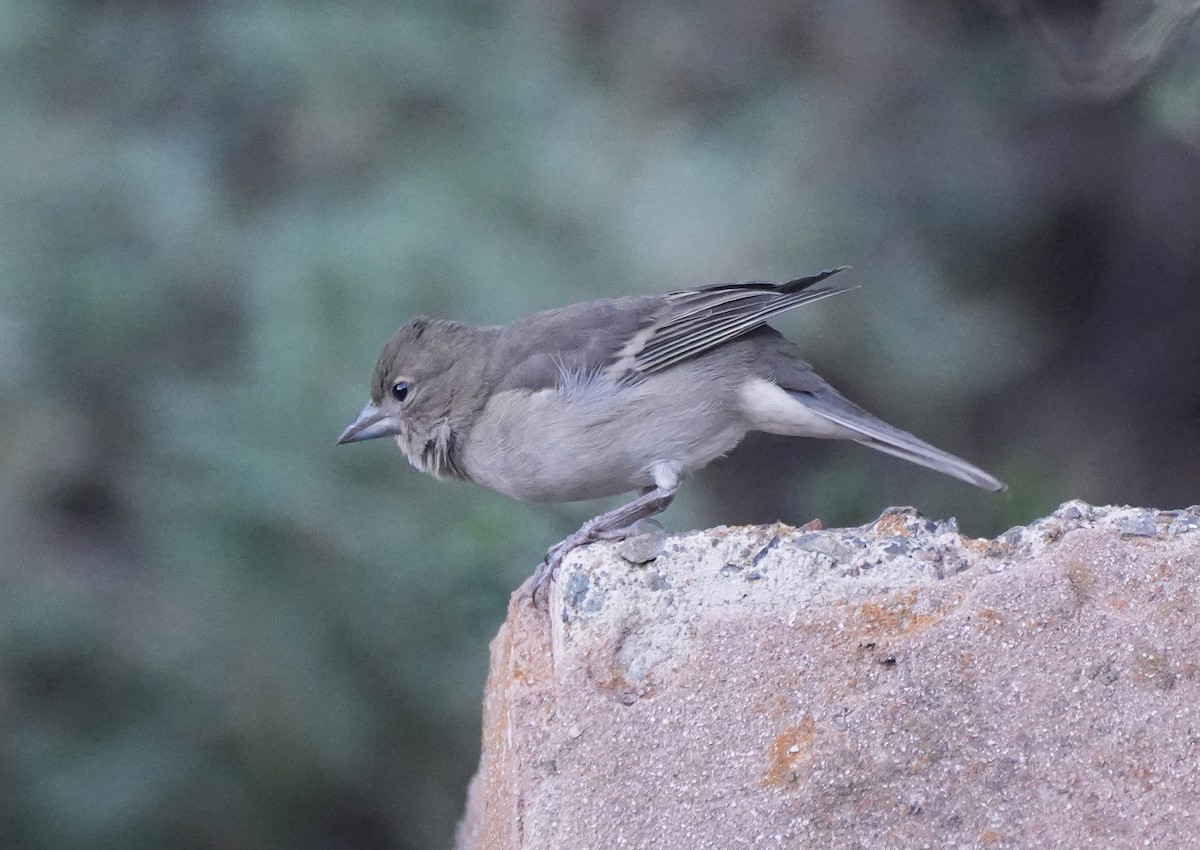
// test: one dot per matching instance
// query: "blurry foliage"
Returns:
(218, 630)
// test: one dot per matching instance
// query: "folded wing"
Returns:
(698, 320)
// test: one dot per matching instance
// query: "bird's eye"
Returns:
(400, 390)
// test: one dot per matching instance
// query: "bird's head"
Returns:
(417, 394)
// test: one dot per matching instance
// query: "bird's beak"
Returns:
(370, 423)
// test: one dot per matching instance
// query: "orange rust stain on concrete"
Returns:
(889, 525)
(790, 755)
(975, 545)
(988, 617)
(1082, 582)
(1153, 666)
(897, 616)
(775, 706)
(966, 665)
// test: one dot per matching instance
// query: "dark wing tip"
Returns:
(802, 283)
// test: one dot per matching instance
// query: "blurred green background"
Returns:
(219, 630)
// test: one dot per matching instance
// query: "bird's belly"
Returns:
(551, 447)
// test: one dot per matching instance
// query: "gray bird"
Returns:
(611, 396)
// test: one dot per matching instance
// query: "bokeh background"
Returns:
(217, 630)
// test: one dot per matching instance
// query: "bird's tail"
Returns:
(872, 431)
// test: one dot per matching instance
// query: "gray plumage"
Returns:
(612, 396)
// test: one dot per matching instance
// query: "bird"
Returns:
(621, 395)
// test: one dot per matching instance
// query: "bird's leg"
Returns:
(611, 525)
(634, 529)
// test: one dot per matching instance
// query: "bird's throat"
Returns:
(435, 453)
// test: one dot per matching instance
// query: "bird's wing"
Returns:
(694, 321)
(616, 342)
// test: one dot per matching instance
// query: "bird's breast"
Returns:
(555, 446)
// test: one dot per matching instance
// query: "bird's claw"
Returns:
(537, 586)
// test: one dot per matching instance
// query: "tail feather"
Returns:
(881, 436)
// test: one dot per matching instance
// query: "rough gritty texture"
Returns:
(894, 685)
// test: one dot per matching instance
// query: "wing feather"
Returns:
(699, 320)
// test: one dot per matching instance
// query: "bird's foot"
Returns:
(613, 525)
(537, 586)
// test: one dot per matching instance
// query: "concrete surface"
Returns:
(891, 686)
